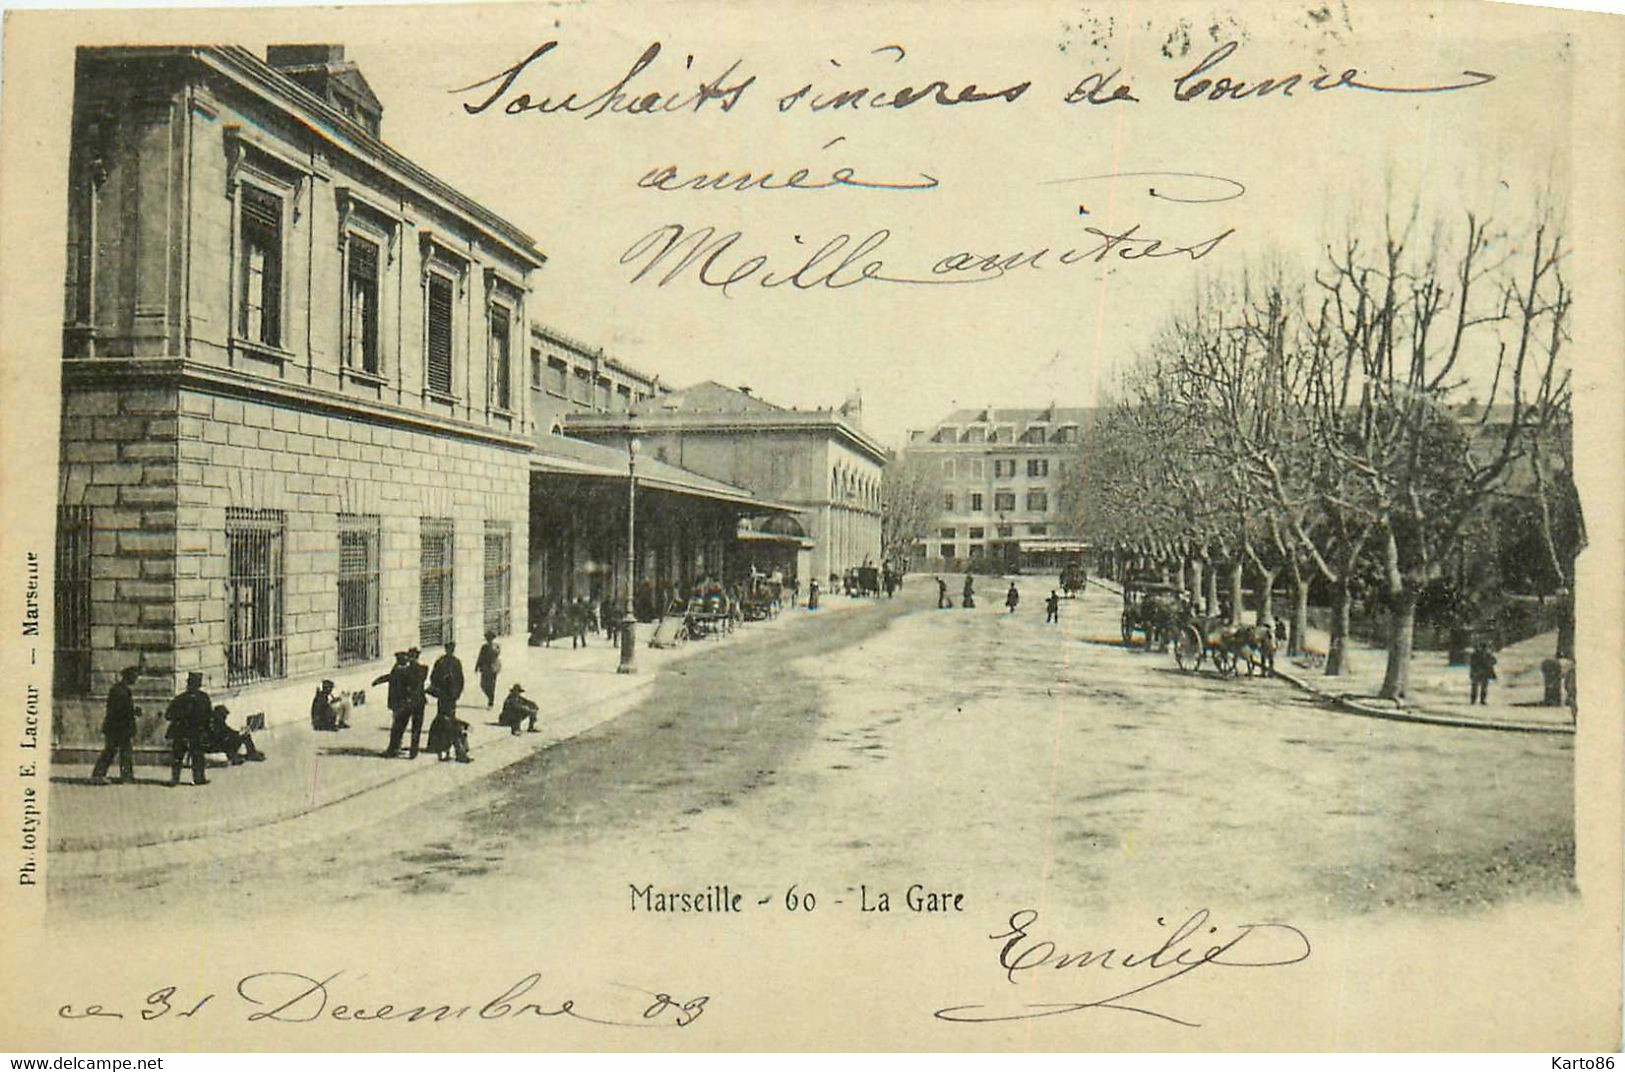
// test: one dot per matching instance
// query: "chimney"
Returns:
(323, 70)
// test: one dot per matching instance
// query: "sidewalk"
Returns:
(93, 828)
(1438, 691)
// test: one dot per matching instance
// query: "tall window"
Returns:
(358, 588)
(72, 623)
(501, 357)
(435, 610)
(254, 648)
(536, 368)
(581, 387)
(975, 502)
(558, 376)
(498, 578)
(1038, 467)
(437, 334)
(948, 501)
(361, 305)
(1038, 501)
(1004, 501)
(259, 296)
(948, 467)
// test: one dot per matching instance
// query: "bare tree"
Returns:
(911, 487)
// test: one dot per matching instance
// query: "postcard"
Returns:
(717, 527)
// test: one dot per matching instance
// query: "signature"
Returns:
(295, 998)
(1192, 946)
(673, 252)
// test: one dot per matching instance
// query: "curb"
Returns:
(1346, 702)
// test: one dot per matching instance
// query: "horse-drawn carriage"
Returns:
(1154, 610)
(1212, 637)
(1073, 580)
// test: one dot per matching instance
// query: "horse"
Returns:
(1253, 643)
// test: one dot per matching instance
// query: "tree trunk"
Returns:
(1337, 653)
(1401, 639)
(1235, 592)
(1212, 596)
(1565, 626)
(1266, 596)
(1195, 587)
(1298, 627)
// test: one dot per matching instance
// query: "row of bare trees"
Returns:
(1311, 424)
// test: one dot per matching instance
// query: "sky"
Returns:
(1274, 176)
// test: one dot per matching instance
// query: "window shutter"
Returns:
(439, 334)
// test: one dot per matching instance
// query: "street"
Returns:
(968, 750)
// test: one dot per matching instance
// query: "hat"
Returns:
(490, 634)
(221, 709)
(194, 678)
(326, 684)
(412, 653)
(133, 670)
(517, 688)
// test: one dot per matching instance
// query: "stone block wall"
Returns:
(161, 483)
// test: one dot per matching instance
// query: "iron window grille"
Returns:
(358, 588)
(255, 647)
(436, 611)
(498, 578)
(72, 623)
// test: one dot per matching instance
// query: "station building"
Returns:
(299, 427)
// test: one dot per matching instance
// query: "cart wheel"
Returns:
(1224, 661)
(1128, 629)
(1188, 650)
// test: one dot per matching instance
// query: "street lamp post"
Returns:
(629, 618)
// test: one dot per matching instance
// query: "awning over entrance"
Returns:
(1053, 546)
(576, 457)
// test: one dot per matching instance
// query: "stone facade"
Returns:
(284, 345)
(1001, 471)
(819, 461)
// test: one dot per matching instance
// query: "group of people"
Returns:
(579, 617)
(967, 594)
(197, 727)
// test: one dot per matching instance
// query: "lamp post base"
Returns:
(629, 646)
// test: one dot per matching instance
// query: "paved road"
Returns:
(971, 750)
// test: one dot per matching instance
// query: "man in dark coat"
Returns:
(943, 602)
(488, 664)
(322, 715)
(222, 738)
(969, 596)
(405, 701)
(118, 729)
(516, 709)
(1052, 608)
(1480, 672)
(446, 682)
(1012, 598)
(188, 717)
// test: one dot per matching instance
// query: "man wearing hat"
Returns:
(222, 738)
(188, 718)
(446, 682)
(516, 709)
(487, 664)
(118, 729)
(405, 701)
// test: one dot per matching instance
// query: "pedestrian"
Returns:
(812, 594)
(323, 718)
(447, 733)
(516, 709)
(1052, 608)
(1480, 672)
(340, 702)
(405, 700)
(968, 599)
(188, 717)
(943, 602)
(488, 664)
(118, 729)
(580, 622)
(238, 747)
(1012, 598)
(446, 686)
